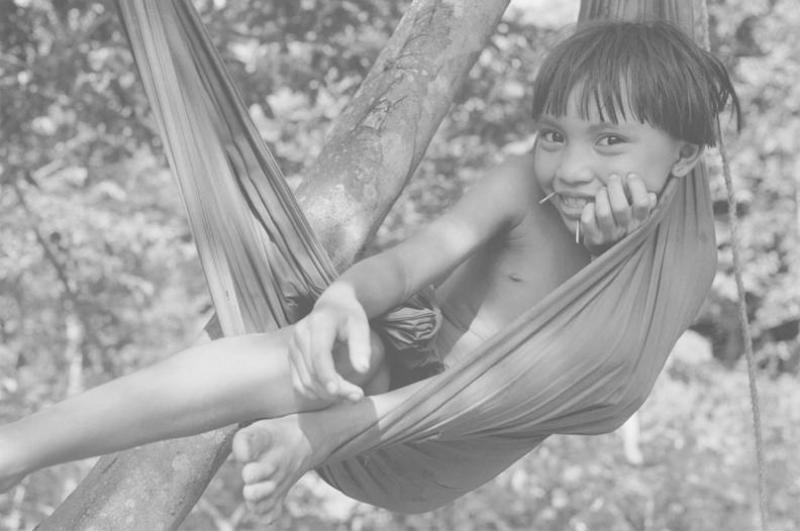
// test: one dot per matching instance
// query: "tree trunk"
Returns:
(373, 150)
(381, 136)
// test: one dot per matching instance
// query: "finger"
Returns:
(295, 365)
(323, 370)
(299, 346)
(302, 383)
(640, 198)
(294, 349)
(320, 355)
(350, 391)
(591, 233)
(344, 388)
(602, 213)
(620, 208)
(358, 343)
(301, 379)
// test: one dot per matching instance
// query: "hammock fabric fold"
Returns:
(579, 362)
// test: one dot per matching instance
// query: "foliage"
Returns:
(759, 43)
(98, 275)
(89, 239)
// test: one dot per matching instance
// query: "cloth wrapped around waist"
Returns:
(408, 333)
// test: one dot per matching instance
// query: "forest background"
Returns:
(99, 276)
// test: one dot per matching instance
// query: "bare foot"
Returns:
(277, 453)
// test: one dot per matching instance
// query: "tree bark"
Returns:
(373, 150)
(381, 136)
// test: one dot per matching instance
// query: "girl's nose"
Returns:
(575, 169)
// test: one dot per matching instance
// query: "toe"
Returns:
(257, 492)
(257, 471)
(271, 515)
(249, 442)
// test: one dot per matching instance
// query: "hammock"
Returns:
(579, 362)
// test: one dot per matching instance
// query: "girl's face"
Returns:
(574, 157)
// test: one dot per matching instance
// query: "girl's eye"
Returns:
(549, 135)
(610, 140)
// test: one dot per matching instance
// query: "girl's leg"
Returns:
(205, 387)
(277, 452)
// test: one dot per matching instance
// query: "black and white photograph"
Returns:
(399, 265)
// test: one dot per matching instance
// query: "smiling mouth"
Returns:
(572, 206)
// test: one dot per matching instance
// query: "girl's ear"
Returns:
(688, 156)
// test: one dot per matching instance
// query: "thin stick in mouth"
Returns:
(547, 198)
(578, 231)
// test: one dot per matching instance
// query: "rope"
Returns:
(741, 304)
(746, 336)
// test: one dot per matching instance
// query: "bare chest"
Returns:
(510, 275)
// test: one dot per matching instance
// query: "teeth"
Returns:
(573, 202)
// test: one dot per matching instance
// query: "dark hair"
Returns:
(669, 81)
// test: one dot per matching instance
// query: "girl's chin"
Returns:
(571, 224)
(570, 220)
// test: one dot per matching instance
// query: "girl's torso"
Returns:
(508, 275)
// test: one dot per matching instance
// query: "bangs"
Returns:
(651, 73)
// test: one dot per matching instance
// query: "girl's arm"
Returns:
(491, 206)
(379, 283)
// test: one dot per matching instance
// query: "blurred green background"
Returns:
(98, 274)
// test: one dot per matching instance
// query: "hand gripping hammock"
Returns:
(581, 361)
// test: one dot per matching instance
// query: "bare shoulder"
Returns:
(508, 189)
(517, 173)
